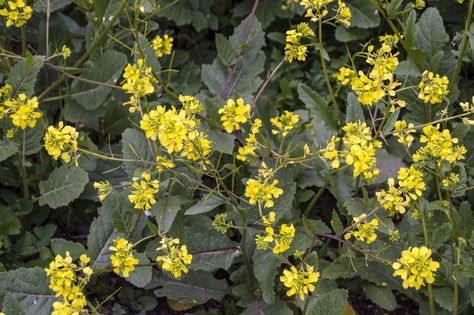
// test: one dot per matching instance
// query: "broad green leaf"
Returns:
(284, 203)
(121, 213)
(382, 296)
(206, 204)
(60, 246)
(100, 238)
(364, 15)
(63, 185)
(29, 287)
(313, 227)
(444, 297)
(166, 209)
(336, 222)
(53, 5)
(221, 141)
(330, 303)
(11, 306)
(393, 7)
(466, 222)
(7, 149)
(91, 96)
(33, 140)
(23, 75)
(266, 268)
(225, 51)
(260, 307)
(335, 270)
(195, 13)
(195, 287)
(355, 207)
(355, 112)
(346, 35)
(135, 147)
(104, 11)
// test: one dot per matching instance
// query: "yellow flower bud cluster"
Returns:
(122, 260)
(138, 82)
(175, 257)
(143, 192)
(278, 242)
(300, 281)
(61, 141)
(363, 231)
(284, 123)
(415, 267)
(263, 190)
(22, 110)
(16, 12)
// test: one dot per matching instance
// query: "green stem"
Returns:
(315, 198)
(464, 44)
(425, 237)
(245, 254)
(23, 40)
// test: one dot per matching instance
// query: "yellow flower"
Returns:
(251, 142)
(433, 87)
(163, 163)
(284, 238)
(392, 200)
(176, 258)
(316, 9)
(415, 267)
(345, 75)
(190, 104)
(24, 112)
(284, 123)
(234, 113)
(61, 141)
(151, 122)
(104, 188)
(143, 192)
(343, 13)
(300, 282)
(65, 52)
(138, 82)
(403, 132)
(294, 49)
(122, 260)
(439, 146)
(162, 45)
(261, 191)
(16, 12)
(364, 232)
(452, 179)
(67, 279)
(411, 182)
(368, 91)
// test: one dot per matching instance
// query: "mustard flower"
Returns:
(190, 104)
(300, 282)
(175, 257)
(162, 45)
(251, 142)
(281, 241)
(61, 141)
(138, 82)
(345, 75)
(403, 132)
(104, 188)
(433, 87)
(343, 13)
(284, 123)
(234, 113)
(16, 12)
(23, 111)
(411, 182)
(261, 190)
(163, 163)
(393, 199)
(415, 267)
(368, 90)
(122, 260)
(143, 192)
(363, 231)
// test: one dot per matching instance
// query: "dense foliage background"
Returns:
(229, 49)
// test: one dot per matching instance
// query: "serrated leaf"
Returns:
(355, 207)
(317, 105)
(313, 227)
(7, 149)
(195, 287)
(63, 185)
(225, 51)
(23, 75)
(206, 204)
(91, 96)
(266, 268)
(330, 303)
(381, 296)
(334, 270)
(29, 287)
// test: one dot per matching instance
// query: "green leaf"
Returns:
(60, 246)
(121, 213)
(381, 296)
(206, 204)
(364, 15)
(346, 35)
(100, 238)
(135, 147)
(166, 210)
(336, 222)
(335, 270)
(284, 203)
(7, 149)
(194, 288)
(266, 268)
(393, 7)
(331, 303)
(466, 222)
(11, 306)
(104, 11)
(221, 141)
(91, 96)
(354, 113)
(225, 51)
(54, 5)
(259, 307)
(23, 75)
(313, 227)
(355, 207)
(63, 185)
(444, 297)
(29, 287)
(142, 274)
(317, 106)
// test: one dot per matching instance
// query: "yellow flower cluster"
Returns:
(220, 223)
(403, 132)
(122, 260)
(138, 82)
(190, 104)
(451, 179)
(16, 12)
(379, 82)
(410, 187)
(61, 141)
(359, 150)
(143, 191)
(104, 188)
(67, 279)
(282, 240)
(439, 146)
(176, 258)
(21, 110)
(261, 190)
(415, 267)
(299, 282)
(251, 142)
(234, 113)
(467, 108)
(284, 123)
(316, 10)
(433, 87)
(294, 49)
(177, 129)
(364, 232)
(163, 163)
(65, 52)
(162, 45)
